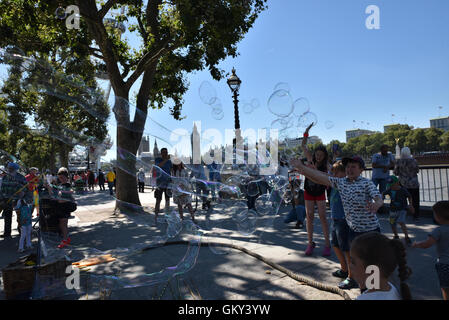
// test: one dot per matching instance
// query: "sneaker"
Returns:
(299, 225)
(310, 248)
(64, 243)
(20, 251)
(340, 274)
(326, 252)
(347, 284)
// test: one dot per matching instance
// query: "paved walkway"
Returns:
(219, 273)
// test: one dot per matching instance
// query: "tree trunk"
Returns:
(127, 145)
(64, 155)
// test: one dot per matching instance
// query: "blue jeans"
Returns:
(340, 234)
(298, 214)
(110, 186)
(382, 183)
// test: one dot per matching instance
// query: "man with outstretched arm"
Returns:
(361, 199)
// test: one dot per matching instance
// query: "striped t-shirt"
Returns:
(355, 196)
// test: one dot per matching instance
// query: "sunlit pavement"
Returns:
(220, 273)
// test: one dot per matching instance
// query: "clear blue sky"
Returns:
(323, 50)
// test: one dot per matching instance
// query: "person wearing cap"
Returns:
(361, 199)
(12, 189)
(398, 206)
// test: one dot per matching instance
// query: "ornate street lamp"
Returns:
(234, 84)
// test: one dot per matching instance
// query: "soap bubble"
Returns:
(280, 103)
(207, 93)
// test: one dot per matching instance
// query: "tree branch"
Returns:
(146, 60)
(95, 24)
(104, 9)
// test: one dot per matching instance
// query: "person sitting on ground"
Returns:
(359, 195)
(376, 251)
(339, 226)
(440, 237)
(298, 211)
(398, 206)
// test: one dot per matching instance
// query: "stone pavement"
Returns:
(220, 273)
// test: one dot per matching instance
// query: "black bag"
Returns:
(70, 206)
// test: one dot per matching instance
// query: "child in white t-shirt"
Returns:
(374, 258)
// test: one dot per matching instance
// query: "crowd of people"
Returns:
(49, 196)
(353, 231)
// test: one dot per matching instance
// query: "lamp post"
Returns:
(234, 84)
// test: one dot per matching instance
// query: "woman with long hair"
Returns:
(315, 194)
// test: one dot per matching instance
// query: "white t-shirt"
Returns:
(355, 195)
(393, 294)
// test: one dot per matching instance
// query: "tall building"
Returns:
(155, 150)
(356, 133)
(144, 145)
(440, 123)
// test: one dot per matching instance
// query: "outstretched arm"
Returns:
(307, 152)
(424, 244)
(313, 174)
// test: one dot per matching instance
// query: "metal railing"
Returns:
(433, 182)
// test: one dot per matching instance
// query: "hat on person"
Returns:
(13, 165)
(354, 159)
(392, 180)
(34, 168)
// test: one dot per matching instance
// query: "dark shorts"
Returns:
(159, 191)
(353, 234)
(443, 274)
(62, 210)
(340, 234)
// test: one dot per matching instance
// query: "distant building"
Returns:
(357, 133)
(294, 142)
(144, 145)
(440, 123)
(389, 126)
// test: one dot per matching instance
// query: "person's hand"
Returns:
(411, 209)
(373, 206)
(310, 126)
(415, 245)
(297, 164)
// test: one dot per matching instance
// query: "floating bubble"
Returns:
(301, 106)
(307, 119)
(247, 108)
(329, 124)
(255, 103)
(247, 222)
(207, 93)
(217, 114)
(280, 103)
(282, 86)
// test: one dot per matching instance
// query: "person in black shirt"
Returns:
(316, 194)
